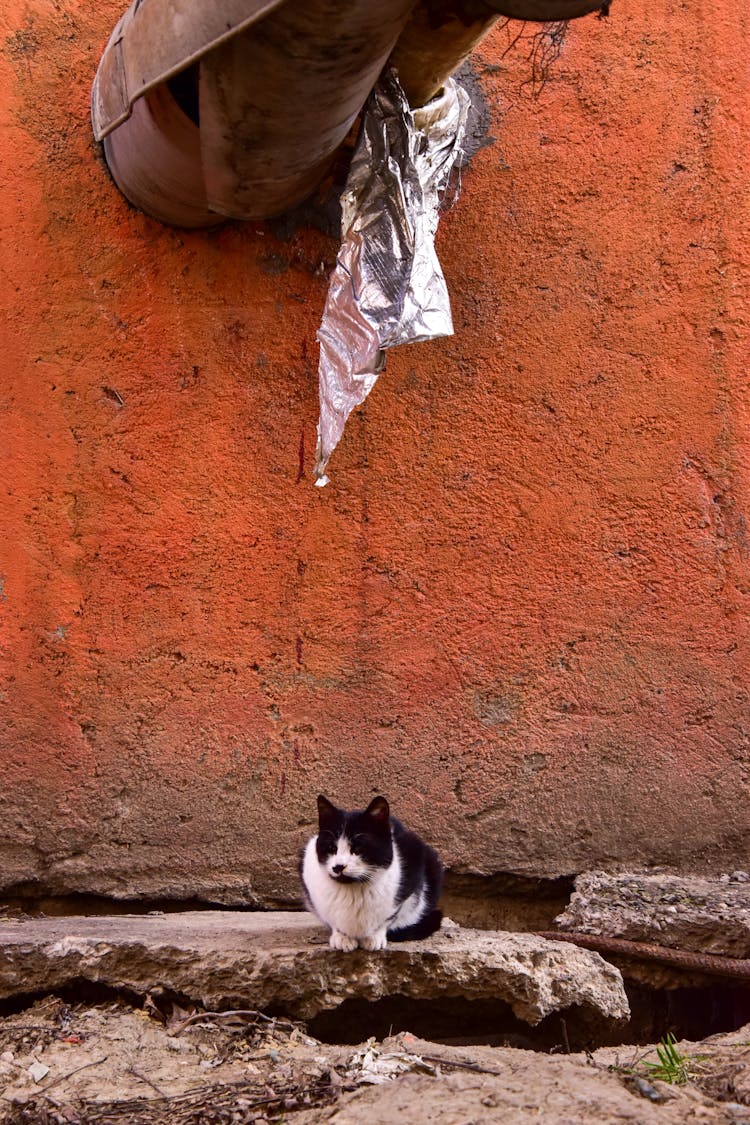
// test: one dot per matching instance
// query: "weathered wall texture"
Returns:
(520, 607)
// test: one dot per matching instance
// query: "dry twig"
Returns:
(78, 1069)
(143, 1078)
(197, 1017)
(461, 1065)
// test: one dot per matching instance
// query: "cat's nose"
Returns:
(338, 868)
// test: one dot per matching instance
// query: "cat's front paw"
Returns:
(375, 941)
(341, 941)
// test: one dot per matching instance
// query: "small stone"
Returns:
(7, 1057)
(740, 877)
(38, 1071)
(645, 1089)
(738, 1110)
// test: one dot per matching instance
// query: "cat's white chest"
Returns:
(358, 910)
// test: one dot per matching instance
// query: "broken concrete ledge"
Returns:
(702, 914)
(282, 961)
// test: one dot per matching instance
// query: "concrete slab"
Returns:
(282, 961)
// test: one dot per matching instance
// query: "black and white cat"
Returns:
(369, 879)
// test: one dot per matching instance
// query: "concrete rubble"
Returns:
(281, 961)
(523, 1086)
(706, 915)
(113, 1064)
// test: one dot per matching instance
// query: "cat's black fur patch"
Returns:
(421, 866)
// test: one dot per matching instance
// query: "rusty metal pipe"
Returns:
(275, 101)
(234, 109)
(434, 43)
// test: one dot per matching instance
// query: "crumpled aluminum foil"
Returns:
(387, 287)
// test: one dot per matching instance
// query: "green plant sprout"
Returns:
(672, 1066)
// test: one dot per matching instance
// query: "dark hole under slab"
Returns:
(690, 1013)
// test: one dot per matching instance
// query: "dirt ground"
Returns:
(92, 1065)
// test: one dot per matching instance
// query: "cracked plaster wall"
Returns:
(519, 609)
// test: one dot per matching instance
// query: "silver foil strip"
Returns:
(387, 287)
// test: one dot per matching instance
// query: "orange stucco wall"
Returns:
(520, 607)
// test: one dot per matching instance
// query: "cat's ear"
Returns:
(378, 811)
(327, 813)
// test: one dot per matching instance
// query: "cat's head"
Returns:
(352, 846)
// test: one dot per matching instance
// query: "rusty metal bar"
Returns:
(687, 960)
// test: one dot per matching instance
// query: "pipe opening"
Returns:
(184, 89)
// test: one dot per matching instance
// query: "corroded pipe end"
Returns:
(441, 34)
(154, 157)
